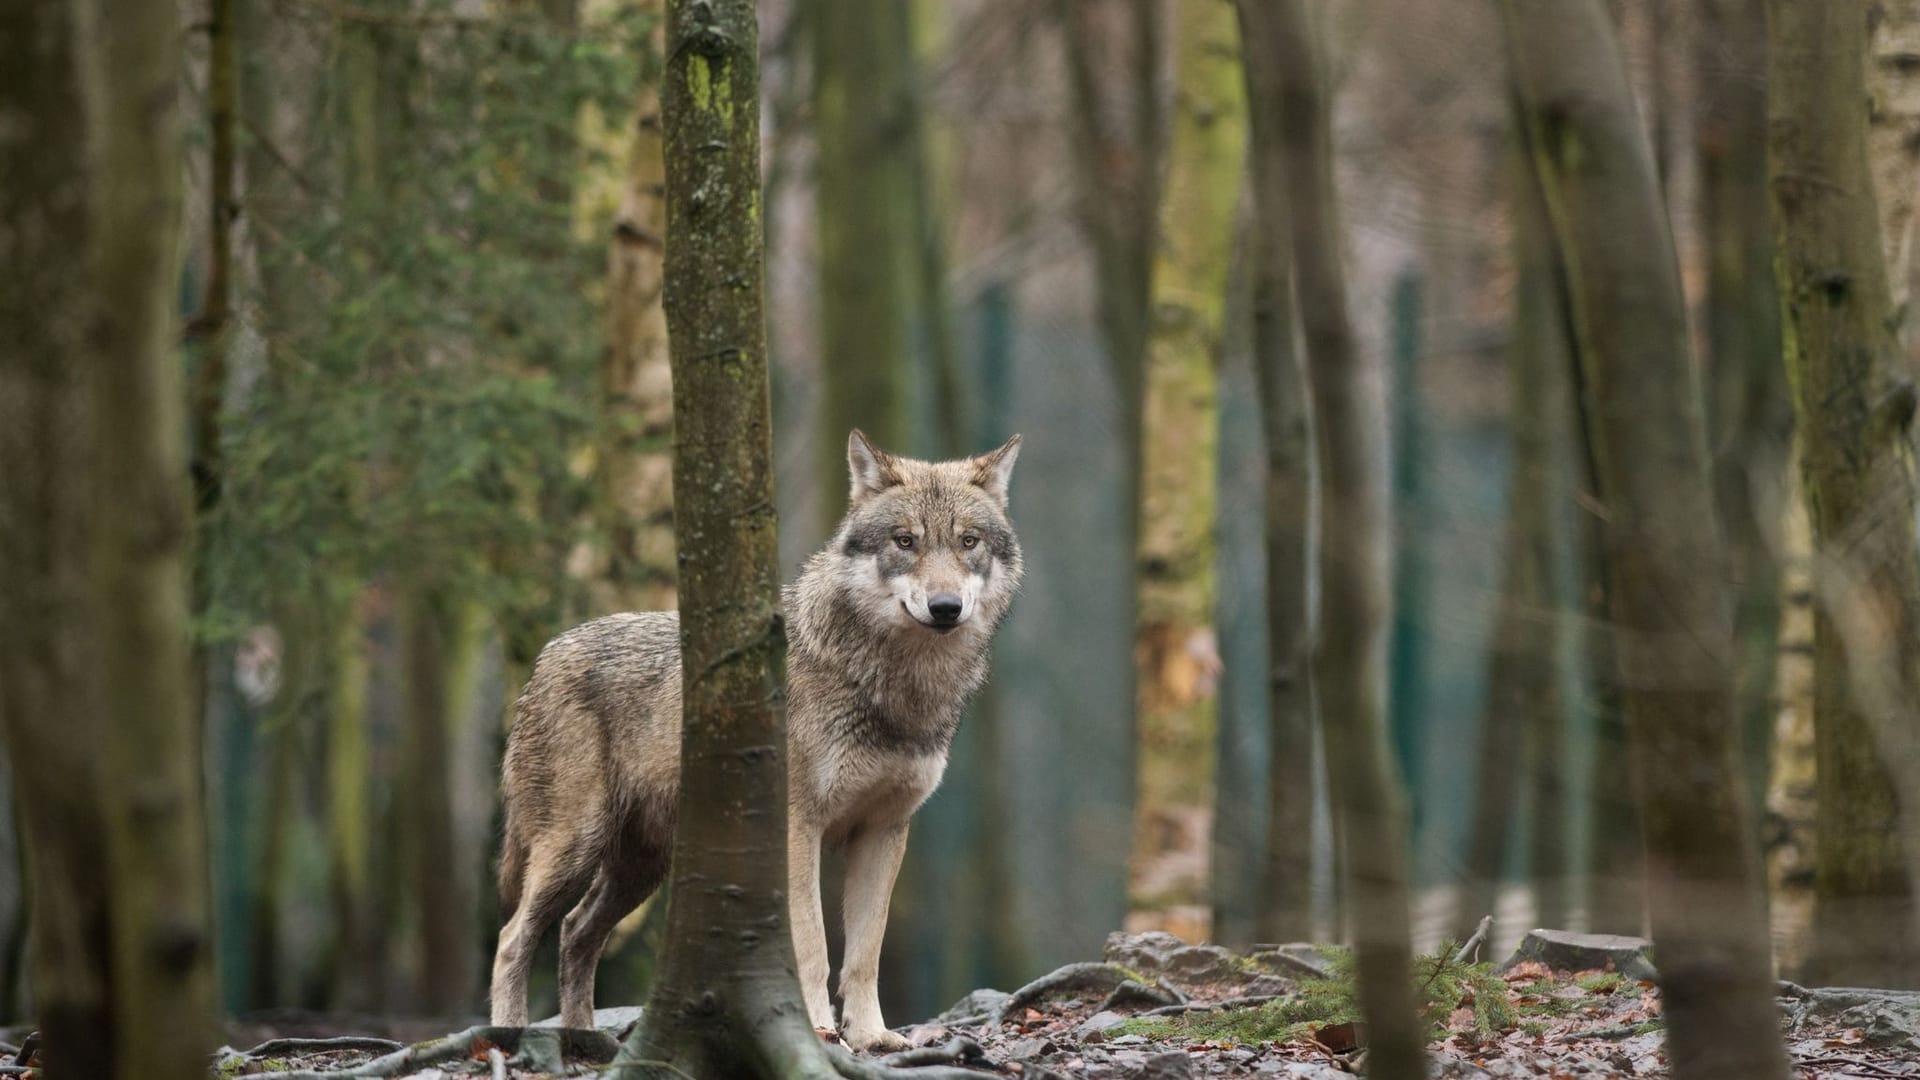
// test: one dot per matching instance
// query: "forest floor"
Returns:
(1156, 1009)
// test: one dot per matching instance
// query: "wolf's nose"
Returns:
(944, 607)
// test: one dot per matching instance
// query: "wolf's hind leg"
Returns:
(617, 889)
(809, 927)
(549, 884)
(873, 861)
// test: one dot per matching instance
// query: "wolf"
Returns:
(888, 632)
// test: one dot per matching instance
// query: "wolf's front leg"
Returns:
(873, 861)
(809, 928)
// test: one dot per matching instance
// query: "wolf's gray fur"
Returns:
(888, 629)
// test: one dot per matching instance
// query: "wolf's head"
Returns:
(926, 545)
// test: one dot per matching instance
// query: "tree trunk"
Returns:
(636, 387)
(726, 1001)
(1285, 908)
(1893, 142)
(1793, 783)
(1175, 650)
(47, 422)
(1749, 411)
(436, 644)
(863, 129)
(1854, 401)
(1350, 655)
(1520, 725)
(97, 520)
(349, 773)
(1114, 65)
(1665, 570)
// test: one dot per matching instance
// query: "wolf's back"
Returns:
(595, 731)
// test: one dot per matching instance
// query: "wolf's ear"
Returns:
(992, 470)
(870, 468)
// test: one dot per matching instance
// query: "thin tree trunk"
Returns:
(863, 129)
(1175, 649)
(636, 467)
(1750, 411)
(349, 829)
(1854, 401)
(1520, 725)
(1793, 787)
(726, 1001)
(1285, 908)
(435, 640)
(1893, 142)
(1350, 656)
(1665, 570)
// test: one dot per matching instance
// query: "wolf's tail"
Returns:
(513, 871)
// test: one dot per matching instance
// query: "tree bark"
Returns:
(864, 134)
(726, 1001)
(1854, 402)
(1750, 413)
(97, 520)
(636, 387)
(1520, 727)
(1893, 140)
(1666, 572)
(1350, 655)
(1285, 909)
(1175, 650)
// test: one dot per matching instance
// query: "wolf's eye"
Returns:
(969, 541)
(905, 540)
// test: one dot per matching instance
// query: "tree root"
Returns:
(1134, 992)
(289, 1047)
(540, 1048)
(927, 1063)
(1218, 1006)
(1089, 976)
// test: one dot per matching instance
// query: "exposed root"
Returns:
(1218, 1006)
(1071, 977)
(958, 1050)
(542, 1047)
(853, 1068)
(1134, 992)
(290, 1047)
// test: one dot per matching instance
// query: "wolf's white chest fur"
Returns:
(853, 787)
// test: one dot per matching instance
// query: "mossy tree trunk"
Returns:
(863, 177)
(726, 1001)
(635, 467)
(1285, 908)
(1665, 571)
(97, 521)
(1174, 646)
(1520, 727)
(1350, 654)
(1750, 412)
(1114, 64)
(1854, 401)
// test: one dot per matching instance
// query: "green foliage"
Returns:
(1601, 982)
(423, 384)
(1444, 985)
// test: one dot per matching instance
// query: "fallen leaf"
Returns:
(1340, 1038)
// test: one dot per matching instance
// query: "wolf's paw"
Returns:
(875, 1040)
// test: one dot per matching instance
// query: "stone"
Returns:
(1174, 1065)
(1146, 953)
(1565, 950)
(1200, 964)
(1297, 959)
(1095, 1027)
(976, 1002)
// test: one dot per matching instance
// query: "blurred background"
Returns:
(432, 430)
